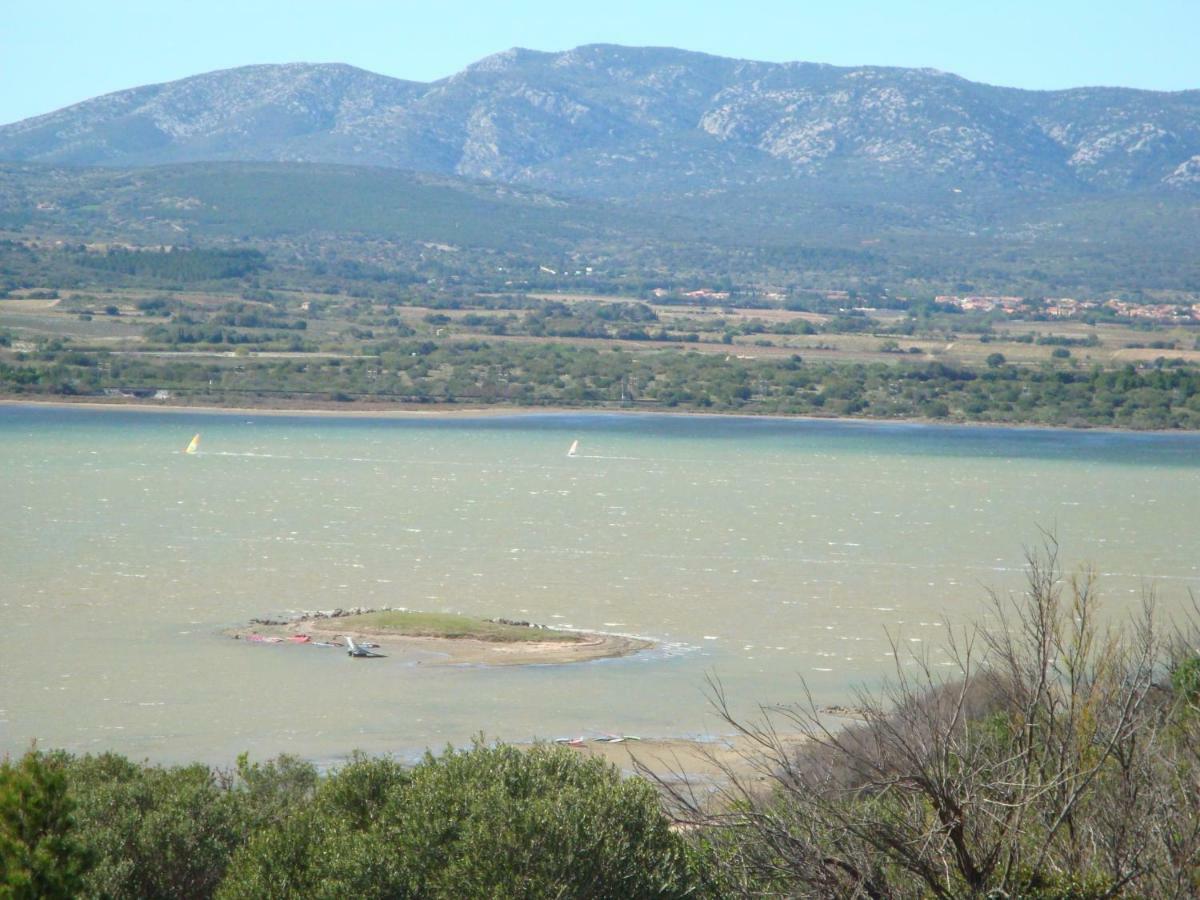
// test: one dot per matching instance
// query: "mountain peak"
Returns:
(508, 59)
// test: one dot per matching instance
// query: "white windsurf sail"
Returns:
(574, 451)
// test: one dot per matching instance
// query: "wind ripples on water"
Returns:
(751, 553)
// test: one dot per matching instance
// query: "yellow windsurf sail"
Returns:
(193, 445)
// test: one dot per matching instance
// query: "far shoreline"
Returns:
(433, 412)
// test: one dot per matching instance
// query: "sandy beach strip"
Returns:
(707, 766)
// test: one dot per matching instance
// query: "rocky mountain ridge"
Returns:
(619, 121)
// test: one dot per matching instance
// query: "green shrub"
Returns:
(491, 821)
(269, 792)
(1063, 886)
(41, 855)
(1185, 679)
(154, 831)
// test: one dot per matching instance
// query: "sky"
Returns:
(55, 54)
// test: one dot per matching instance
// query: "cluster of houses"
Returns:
(983, 303)
(1158, 312)
(1067, 307)
(138, 393)
(703, 294)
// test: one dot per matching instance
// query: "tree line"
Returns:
(1161, 396)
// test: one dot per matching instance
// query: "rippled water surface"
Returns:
(759, 550)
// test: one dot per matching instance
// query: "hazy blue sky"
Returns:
(53, 54)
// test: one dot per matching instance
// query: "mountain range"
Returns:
(621, 122)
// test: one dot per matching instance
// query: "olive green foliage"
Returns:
(1030, 885)
(41, 855)
(178, 265)
(491, 821)
(1185, 679)
(157, 832)
(103, 826)
(269, 791)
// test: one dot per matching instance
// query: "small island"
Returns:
(424, 638)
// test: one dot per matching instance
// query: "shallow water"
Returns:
(758, 550)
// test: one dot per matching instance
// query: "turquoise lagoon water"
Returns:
(761, 551)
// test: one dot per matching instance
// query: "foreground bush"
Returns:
(41, 855)
(170, 832)
(1060, 761)
(489, 822)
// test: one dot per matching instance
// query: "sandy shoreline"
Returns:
(439, 651)
(706, 764)
(333, 410)
(441, 411)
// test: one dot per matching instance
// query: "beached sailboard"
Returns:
(359, 651)
(574, 451)
(193, 445)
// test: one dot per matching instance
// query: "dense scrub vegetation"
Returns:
(177, 265)
(490, 821)
(389, 222)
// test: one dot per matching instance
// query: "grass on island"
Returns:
(449, 625)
